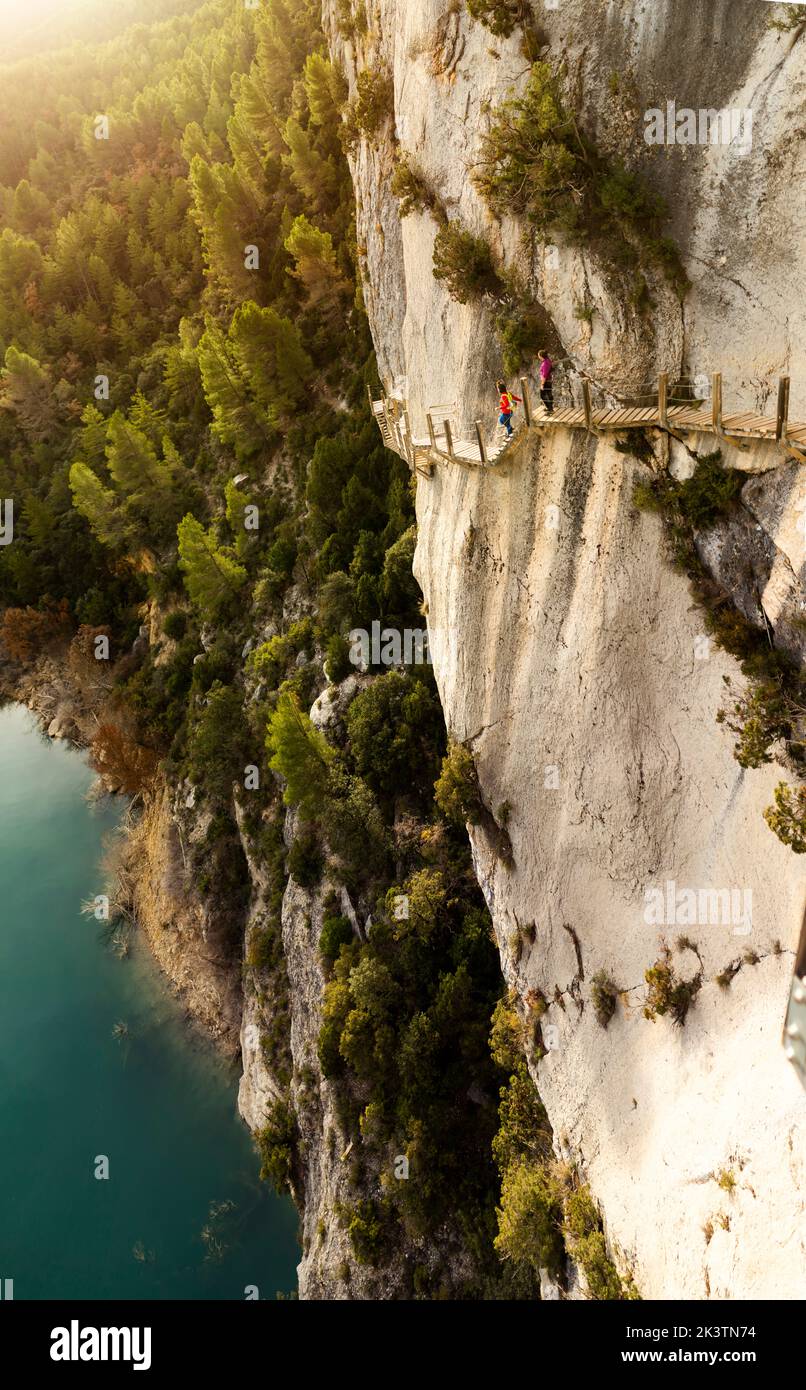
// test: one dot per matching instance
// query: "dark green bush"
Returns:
(175, 624)
(337, 658)
(710, 491)
(336, 932)
(217, 741)
(464, 262)
(395, 726)
(276, 1143)
(305, 859)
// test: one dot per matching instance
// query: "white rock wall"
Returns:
(574, 648)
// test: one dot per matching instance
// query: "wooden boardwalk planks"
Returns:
(393, 422)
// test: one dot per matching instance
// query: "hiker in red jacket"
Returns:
(508, 402)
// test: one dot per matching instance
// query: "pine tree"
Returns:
(26, 391)
(237, 502)
(315, 265)
(326, 90)
(269, 352)
(316, 178)
(212, 577)
(300, 754)
(132, 460)
(20, 261)
(98, 504)
(235, 420)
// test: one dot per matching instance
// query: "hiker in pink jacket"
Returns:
(546, 387)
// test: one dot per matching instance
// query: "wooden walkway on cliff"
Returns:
(669, 411)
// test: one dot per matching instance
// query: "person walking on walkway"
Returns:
(507, 403)
(546, 386)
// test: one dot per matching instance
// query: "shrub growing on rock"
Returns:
(464, 262)
(530, 1218)
(499, 16)
(372, 106)
(536, 160)
(604, 995)
(305, 861)
(667, 993)
(276, 1143)
(336, 932)
(457, 792)
(411, 190)
(587, 1245)
(787, 818)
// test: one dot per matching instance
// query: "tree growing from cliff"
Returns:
(300, 754)
(537, 160)
(216, 744)
(212, 577)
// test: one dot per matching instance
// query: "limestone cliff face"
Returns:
(568, 653)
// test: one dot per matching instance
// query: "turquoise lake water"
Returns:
(155, 1099)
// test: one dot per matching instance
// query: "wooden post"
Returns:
(663, 400)
(371, 401)
(409, 446)
(480, 438)
(394, 421)
(449, 438)
(431, 434)
(716, 401)
(527, 404)
(586, 398)
(783, 409)
(390, 434)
